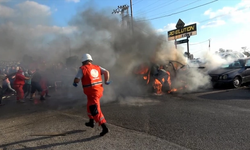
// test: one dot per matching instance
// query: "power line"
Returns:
(243, 8)
(159, 6)
(198, 43)
(178, 8)
(149, 4)
(137, 2)
(180, 11)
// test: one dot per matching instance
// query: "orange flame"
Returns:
(169, 80)
(158, 83)
(157, 86)
(177, 89)
(148, 77)
(144, 70)
(172, 90)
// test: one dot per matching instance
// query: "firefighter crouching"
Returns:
(91, 78)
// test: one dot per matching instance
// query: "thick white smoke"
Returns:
(113, 44)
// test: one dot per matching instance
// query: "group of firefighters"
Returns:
(23, 84)
(89, 74)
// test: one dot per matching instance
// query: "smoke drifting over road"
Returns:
(118, 48)
(113, 44)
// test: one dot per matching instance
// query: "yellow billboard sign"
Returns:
(182, 32)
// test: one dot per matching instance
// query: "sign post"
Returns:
(180, 24)
(188, 47)
(182, 31)
(175, 43)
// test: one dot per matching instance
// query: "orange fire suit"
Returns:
(92, 87)
(44, 87)
(18, 85)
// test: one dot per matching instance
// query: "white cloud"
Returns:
(6, 11)
(75, 1)
(229, 18)
(233, 41)
(220, 12)
(166, 28)
(27, 28)
(238, 14)
(244, 3)
(2, 1)
(41, 30)
(214, 24)
(32, 8)
(26, 9)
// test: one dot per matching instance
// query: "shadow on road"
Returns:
(58, 101)
(58, 144)
(228, 94)
(47, 136)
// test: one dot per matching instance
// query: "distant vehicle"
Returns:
(232, 55)
(196, 63)
(234, 74)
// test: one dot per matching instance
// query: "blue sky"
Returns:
(224, 22)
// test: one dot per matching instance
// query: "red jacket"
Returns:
(43, 83)
(91, 79)
(20, 79)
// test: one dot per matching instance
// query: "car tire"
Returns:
(215, 85)
(236, 82)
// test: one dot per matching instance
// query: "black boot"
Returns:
(42, 98)
(104, 129)
(90, 123)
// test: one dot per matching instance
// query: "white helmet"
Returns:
(86, 57)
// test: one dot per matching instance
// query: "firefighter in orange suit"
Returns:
(91, 78)
(18, 85)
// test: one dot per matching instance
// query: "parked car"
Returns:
(196, 63)
(234, 74)
(233, 55)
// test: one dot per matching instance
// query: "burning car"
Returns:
(234, 74)
(160, 77)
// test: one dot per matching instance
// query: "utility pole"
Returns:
(209, 44)
(131, 9)
(175, 43)
(121, 10)
(188, 46)
(131, 13)
(244, 48)
(70, 51)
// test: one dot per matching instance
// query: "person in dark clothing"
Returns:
(2, 78)
(6, 86)
(12, 78)
(35, 85)
(27, 86)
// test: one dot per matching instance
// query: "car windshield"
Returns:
(235, 64)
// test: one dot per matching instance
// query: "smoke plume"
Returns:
(114, 44)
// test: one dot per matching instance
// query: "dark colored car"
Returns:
(234, 74)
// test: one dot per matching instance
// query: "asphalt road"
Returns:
(209, 120)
